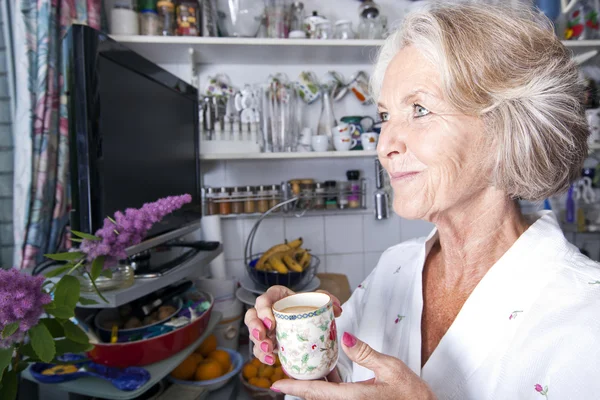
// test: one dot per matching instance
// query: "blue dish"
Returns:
(292, 280)
(237, 363)
(126, 379)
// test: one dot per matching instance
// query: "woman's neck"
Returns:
(474, 236)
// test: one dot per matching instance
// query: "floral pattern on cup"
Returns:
(307, 87)
(307, 342)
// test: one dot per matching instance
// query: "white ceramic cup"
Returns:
(343, 143)
(320, 143)
(369, 140)
(307, 343)
(343, 129)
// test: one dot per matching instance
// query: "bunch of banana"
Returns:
(285, 257)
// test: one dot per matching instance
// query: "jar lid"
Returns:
(352, 175)
(330, 183)
(165, 3)
(250, 188)
(148, 12)
(320, 185)
(224, 190)
(275, 187)
(342, 22)
(263, 188)
(236, 189)
(210, 190)
(307, 186)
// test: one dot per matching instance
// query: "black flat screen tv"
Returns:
(133, 131)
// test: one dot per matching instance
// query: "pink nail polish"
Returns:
(256, 334)
(269, 360)
(267, 323)
(348, 339)
(275, 389)
(337, 303)
(264, 347)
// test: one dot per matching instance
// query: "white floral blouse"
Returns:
(529, 330)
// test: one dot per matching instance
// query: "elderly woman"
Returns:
(480, 106)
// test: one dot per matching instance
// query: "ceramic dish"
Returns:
(158, 348)
(213, 384)
(293, 280)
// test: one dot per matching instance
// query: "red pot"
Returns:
(149, 351)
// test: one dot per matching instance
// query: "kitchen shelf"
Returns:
(309, 213)
(287, 156)
(217, 50)
(96, 387)
(142, 287)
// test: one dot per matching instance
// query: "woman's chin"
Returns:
(409, 209)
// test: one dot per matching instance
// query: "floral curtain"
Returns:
(41, 195)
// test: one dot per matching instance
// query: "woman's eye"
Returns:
(384, 116)
(420, 111)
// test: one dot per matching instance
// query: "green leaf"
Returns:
(67, 292)
(8, 390)
(59, 270)
(322, 338)
(74, 333)
(54, 327)
(310, 369)
(50, 306)
(61, 312)
(107, 273)
(302, 339)
(42, 342)
(305, 358)
(5, 358)
(84, 301)
(68, 256)
(85, 235)
(68, 346)
(323, 327)
(10, 329)
(21, 366)
(97, 267)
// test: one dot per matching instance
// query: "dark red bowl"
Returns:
(149, 351)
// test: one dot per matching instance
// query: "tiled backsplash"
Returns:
(349, 244)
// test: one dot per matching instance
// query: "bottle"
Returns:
(327, 118)
(166, 15)
(381, 197)
(254, 132)
(319, 202)
(355, 189)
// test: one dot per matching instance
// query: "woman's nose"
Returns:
(391, 141)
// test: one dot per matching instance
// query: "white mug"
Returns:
(343, 129)
(342, 143)
(320, 143)
(369, 140)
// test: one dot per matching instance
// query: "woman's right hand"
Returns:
(261, 322)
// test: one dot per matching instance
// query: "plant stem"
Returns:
(76, 266)
(96, 287)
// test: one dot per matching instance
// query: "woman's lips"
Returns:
(399, 176)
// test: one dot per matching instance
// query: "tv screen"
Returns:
(133, 133)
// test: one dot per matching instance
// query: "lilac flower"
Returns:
(21, 300)
(130, 228)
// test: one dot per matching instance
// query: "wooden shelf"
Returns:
(288, 156)
(96, 387)
(142, 287)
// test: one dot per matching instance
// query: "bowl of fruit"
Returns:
(209, 366)
(257, 379)
(286, 264)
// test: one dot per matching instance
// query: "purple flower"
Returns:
(538, 388)
(21, 300)
(129, 228)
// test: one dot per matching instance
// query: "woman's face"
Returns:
(434, 155)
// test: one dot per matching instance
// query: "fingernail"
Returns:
(264, 347)
(337, 303)
(269, 360)
(348, 339)
(256, 334)
(275, 389)
(267, 323)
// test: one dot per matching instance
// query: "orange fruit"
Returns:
(277, 376)
(260, 382)
(208, 346)
(266, 372)
(185, 371)
(208, 369)
(256, 362)
(197, 357)
(277, 362)
(222, 357)
(249, 371)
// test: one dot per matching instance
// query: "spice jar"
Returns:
(295, 185)
(343, 191)
(222, 199)
(237, 200)
(307, 191)
(187, 18)
(249, 200)
(212, 208)
(263, 199)
(166, 17)
(149, 23)
(354, 195)
(319, 197)
(331, 195)
(274, 197)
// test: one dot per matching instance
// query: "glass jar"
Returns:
(187, 18)
(122, 277)
(295, 186)
(323, 30)
(331, 195)
(237, 200)
(149, 23)
(263, 199)
(166, 17)
(223, 199)
(211, 207)
(307, 192)
(124, 19)
(355, 190)
(275, 197)
(319, 197)
(343, 30)
(297, 17)
(343, 189)
(249, 200)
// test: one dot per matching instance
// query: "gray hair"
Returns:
(507, 67)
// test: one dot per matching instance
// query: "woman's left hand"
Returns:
(393, 379)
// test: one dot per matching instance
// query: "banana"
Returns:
(294, 244)
(305, 260)
(267, 254)
(268, 267)
(278, 264)
(291, 263)
(298, 254)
